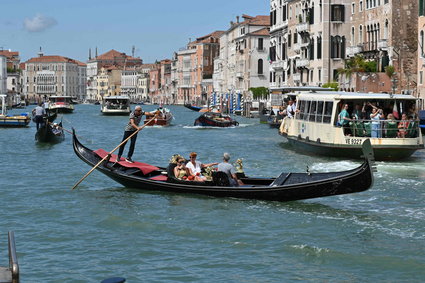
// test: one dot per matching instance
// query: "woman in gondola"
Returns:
(181, 172)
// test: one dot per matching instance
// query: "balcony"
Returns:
(382, 44)
(302, 63)
(296, 77)
(304, 44)
(303, 27)
(278, 26)
(276, 65)
(351, 51)
(297, 47)
(239, 74)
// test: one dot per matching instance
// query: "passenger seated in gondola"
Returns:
(196, 167)
(230, 171)
(56, 129)
(181, 172)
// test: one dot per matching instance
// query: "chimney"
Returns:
(89, 53)
(96, 52)
(237, 19)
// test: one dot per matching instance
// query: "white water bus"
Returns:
(61, 104)
(115, 105)
(315, 127)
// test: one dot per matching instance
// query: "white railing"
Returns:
(382, 44)
(300, 63)
(302, 27)
(296, 77)
(353, 50)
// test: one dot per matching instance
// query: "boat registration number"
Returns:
(353, 141)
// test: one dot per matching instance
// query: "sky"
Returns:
(155, 28)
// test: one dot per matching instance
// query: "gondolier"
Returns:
(130, 128)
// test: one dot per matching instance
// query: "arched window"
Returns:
(260, 66)
(421, 43)
(360, 34)
(386, 29)
(353, 42)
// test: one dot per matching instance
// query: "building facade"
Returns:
(193, 69)
(45, 76)
(14, 75)
(243, 60)
(421, 52)
(111, 58)
(3, 75)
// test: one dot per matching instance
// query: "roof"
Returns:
(9, 54)
(260, 20)
(113, 55)
(54, 59)
(206, 38)
(353, 95)
(261, 32)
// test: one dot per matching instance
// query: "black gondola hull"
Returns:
(295, 186)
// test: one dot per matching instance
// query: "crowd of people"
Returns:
(372, 121)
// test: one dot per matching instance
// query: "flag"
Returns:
(395, 112)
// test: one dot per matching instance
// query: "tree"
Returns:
(333, 85)
(259, 92)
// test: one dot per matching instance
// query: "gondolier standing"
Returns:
(130, 128)
(39, 113)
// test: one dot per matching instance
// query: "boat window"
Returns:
(300, 114)
(313, 111)
(328, 112)
(307, 109)
(319, 115)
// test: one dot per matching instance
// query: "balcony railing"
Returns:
(353, 50)
(302, 63)
(297, 47)
(303, 27)
(296, 77)
(279, 65)
(239, 74)
(382, 44)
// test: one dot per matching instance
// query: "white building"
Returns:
(243, 61)
(45, 76)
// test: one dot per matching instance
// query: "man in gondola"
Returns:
(130, 128)
(230, 171)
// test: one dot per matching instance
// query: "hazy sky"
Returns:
(155, 28)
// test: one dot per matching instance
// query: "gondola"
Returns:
(50, 132)
(210, 119)
(286, 187)
(193, 107)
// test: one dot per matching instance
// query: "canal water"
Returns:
(103, 230)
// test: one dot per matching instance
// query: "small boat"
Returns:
(193, 107)
(21, 120)
(61, 104)
(115, 105)
(50, 133)
(163, 118)
(285, 187)
(210, 119)
(274, 121)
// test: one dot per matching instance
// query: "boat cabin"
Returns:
(341, 119)
(116, 105)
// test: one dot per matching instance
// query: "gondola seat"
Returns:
(220, 179)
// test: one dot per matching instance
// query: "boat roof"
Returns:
(354, 95)
(116, 97)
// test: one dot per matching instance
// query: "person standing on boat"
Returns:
(344, 120)
(39, 112)
(130, 128)
(376, 123)
(228, 168)
(290, 110)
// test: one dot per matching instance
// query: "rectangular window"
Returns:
(300, 114)
(313, 110)
(260, 44)
(319, 115)
(307, 108)
(328, 112)
(421, 77)
(337, 13)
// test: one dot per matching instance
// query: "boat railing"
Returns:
(382, 128)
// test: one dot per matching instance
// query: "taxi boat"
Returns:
(115, 105)
(61, 104)
(315, 127)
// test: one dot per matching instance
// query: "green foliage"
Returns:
(358, 64)
(370, 66)
(390, 71)
(333, 85)
(259, 92)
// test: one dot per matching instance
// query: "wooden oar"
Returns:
(109, 154)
